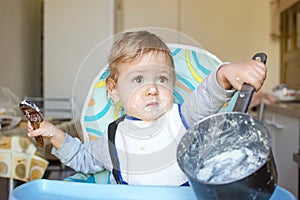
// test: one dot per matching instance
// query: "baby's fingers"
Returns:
(38, 132)
(256, 81)
(34, 133)
(46, 130)
(29, 127)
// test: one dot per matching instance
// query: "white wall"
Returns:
(20, 46)
(160, 13)
(234, 30)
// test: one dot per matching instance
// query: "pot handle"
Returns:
(247, 90)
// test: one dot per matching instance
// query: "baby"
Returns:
(140, 148)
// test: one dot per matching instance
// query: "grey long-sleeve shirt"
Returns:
(94, 156)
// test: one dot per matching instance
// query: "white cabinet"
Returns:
(284, 130)
(72, 29)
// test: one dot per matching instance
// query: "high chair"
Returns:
(192, 65)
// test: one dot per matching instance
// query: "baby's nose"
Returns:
(153, 91)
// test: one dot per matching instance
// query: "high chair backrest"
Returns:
(192, 65)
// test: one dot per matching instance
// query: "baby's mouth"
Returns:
(152, 104)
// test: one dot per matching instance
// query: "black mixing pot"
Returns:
(229, 155)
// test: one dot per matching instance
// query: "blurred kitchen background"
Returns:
(44, 42)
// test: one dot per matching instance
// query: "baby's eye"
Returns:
(138, 79)
(162, 79)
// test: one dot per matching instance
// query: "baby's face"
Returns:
(146, 87)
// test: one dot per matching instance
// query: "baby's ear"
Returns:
(110, 84)
(111, 89)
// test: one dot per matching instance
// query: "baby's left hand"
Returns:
(233, 75)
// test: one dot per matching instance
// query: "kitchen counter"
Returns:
(283, 123)
(291, 109)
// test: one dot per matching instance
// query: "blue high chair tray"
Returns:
(57, 190)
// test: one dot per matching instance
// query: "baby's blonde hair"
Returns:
(130, 46)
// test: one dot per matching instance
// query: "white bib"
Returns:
(147, 150)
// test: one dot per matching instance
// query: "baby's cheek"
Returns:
(136, 102)
(167, 103)
(167, 97)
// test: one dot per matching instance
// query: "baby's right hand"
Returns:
(48, 131)
(236, 74)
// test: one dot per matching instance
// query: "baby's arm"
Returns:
(90, 157)
(219, 87)
(86, 158)
(207, 99)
